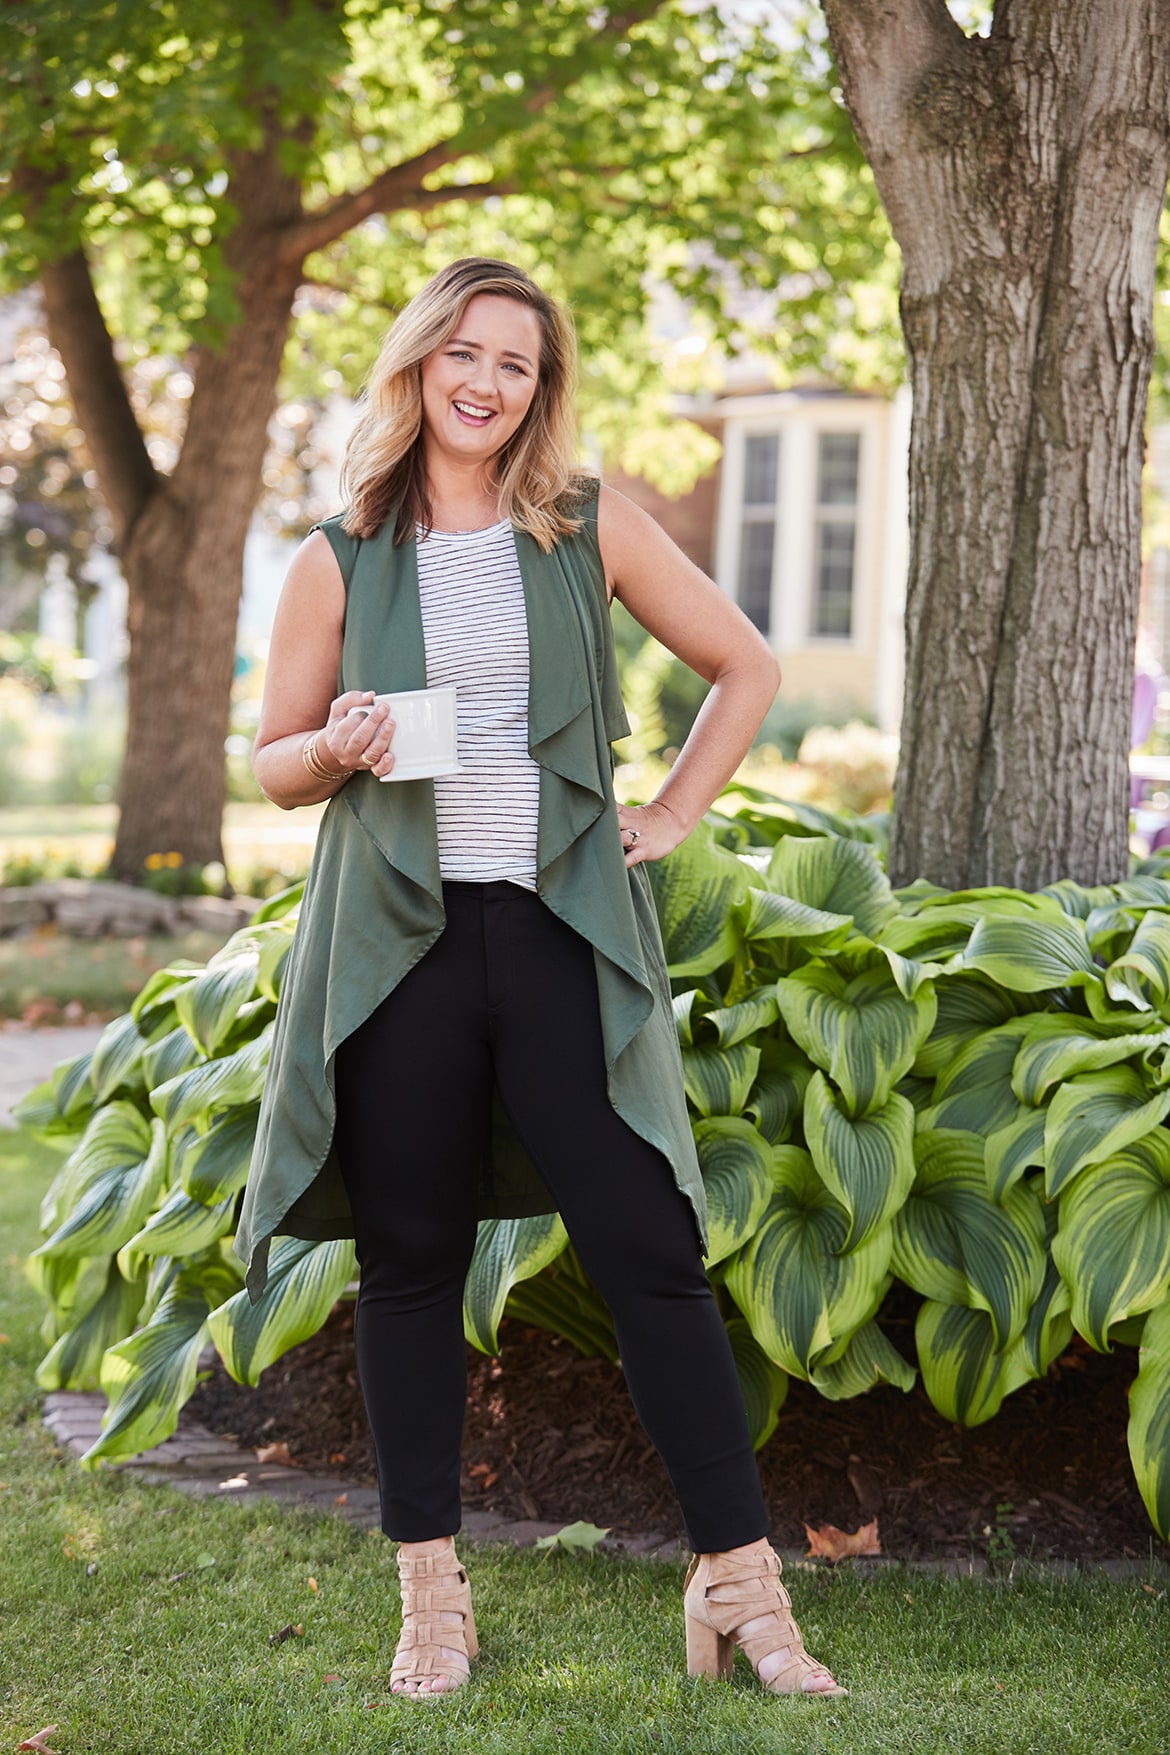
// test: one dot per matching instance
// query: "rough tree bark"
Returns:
(1023, 174)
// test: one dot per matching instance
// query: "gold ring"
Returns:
(368, 759)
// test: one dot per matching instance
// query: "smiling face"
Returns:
(478, 387)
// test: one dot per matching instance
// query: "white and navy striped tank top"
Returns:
(476, 634)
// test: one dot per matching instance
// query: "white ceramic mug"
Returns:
(424, 740)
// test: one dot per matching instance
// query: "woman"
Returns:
(476, 1018)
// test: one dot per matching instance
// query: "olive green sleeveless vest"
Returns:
(373, 903)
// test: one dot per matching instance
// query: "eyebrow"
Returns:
(508, 352)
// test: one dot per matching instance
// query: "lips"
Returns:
(472, 414)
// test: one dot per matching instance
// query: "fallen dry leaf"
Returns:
(275, 1453)
(38, 1742)
(313, 1586)
(342, 1499)
(827, 1542)
(337, 1457)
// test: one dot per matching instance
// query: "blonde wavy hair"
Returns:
(385, 469)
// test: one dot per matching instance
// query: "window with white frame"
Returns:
(838, 460)
(757, 533)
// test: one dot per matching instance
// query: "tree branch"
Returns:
(884, 50)
(77, 329)
(390, 191)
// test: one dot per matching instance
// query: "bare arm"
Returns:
(298, 689)
(669, 596)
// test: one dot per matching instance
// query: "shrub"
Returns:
(965, 1091)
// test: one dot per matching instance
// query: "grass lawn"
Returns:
(50, 971)
(136, 1619)
(253, 835)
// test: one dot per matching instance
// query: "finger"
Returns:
(352, 698)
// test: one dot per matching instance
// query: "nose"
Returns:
(481, 378)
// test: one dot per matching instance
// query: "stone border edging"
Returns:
(198, 1462)
(94, 908)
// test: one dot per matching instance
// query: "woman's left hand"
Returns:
(648, 831)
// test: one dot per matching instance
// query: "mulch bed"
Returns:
(552, 1435)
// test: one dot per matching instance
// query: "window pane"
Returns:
(837, 463)
(761, 456)
(833, 608)
(756, 541)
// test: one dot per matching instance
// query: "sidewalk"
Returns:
(27, 1057)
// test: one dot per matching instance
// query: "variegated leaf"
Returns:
(167, 1056)
(834, 876)
(1013, 1148)
(117, 1059)
(181, 1226)
(193, 1097)
(208, 1006)
(1149, 1419)
(213, 1165)
(1141, 977)
(718, 1079)
(74, 1361)
(1057, 1047)
(868, 1358)
(148, 1377)
(1113, 1241)
(867, 1163)
(956, 1245)
(1031, 955)
(974, 1092)
(117, 1173)
(1091, 1117)
(963, 1372)
(305, 1280)
(154, 1003)
(275, 943)
(967, 1005)
(776, 1100)
(796, 1290)
(768, 915)
(506, 1250)
(695, 889)
(735, 1163)
(764, 1385)
(862, 1032)
(735, 1023)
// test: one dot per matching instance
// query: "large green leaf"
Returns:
(117, 1059)
(868, 1358)
(1149, 1419)
(562, 1299)
(834, 876)
(275, 943)
(695, 891)
(193, 1097)
(1032, 955)
(868, 1163)
(967, 1005)
(963, 1372)
(181, 1226)
(1141, 976)
(796, 1289)
(148, 1377)
(1091, 1117)
(956, 1245)
(63, 1103)
(862, 1032)
(208, 1006)
(305, 1280)
(1016, 1146)
(506, 1250)
(168, 1056)
(74, 1361)
(1113, 1241)
(735, 1162)
(213, 1165)
(735, 1023)
(154, 1003)
(776, 1100)
(974, 1092)
(115, 1177)
(764, 1385)
(768, 917)
(1057, 1046)
(1048, 1329)
(718, 1079)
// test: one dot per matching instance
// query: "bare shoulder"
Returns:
(314, 590)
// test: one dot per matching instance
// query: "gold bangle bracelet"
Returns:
(315, 765)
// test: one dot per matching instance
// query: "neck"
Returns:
(463, 491)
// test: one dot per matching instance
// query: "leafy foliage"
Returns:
(966, 1092)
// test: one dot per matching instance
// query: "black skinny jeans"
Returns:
(509, 989)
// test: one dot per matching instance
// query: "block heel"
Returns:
(709, 1652)
(725, 1594)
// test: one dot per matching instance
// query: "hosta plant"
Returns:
(964, 1091)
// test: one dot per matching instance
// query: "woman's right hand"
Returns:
(356, 740)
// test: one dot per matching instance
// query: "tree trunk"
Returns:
(1023, 175)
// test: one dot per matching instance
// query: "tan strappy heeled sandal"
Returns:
(429, 1645)
(723, 1593)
